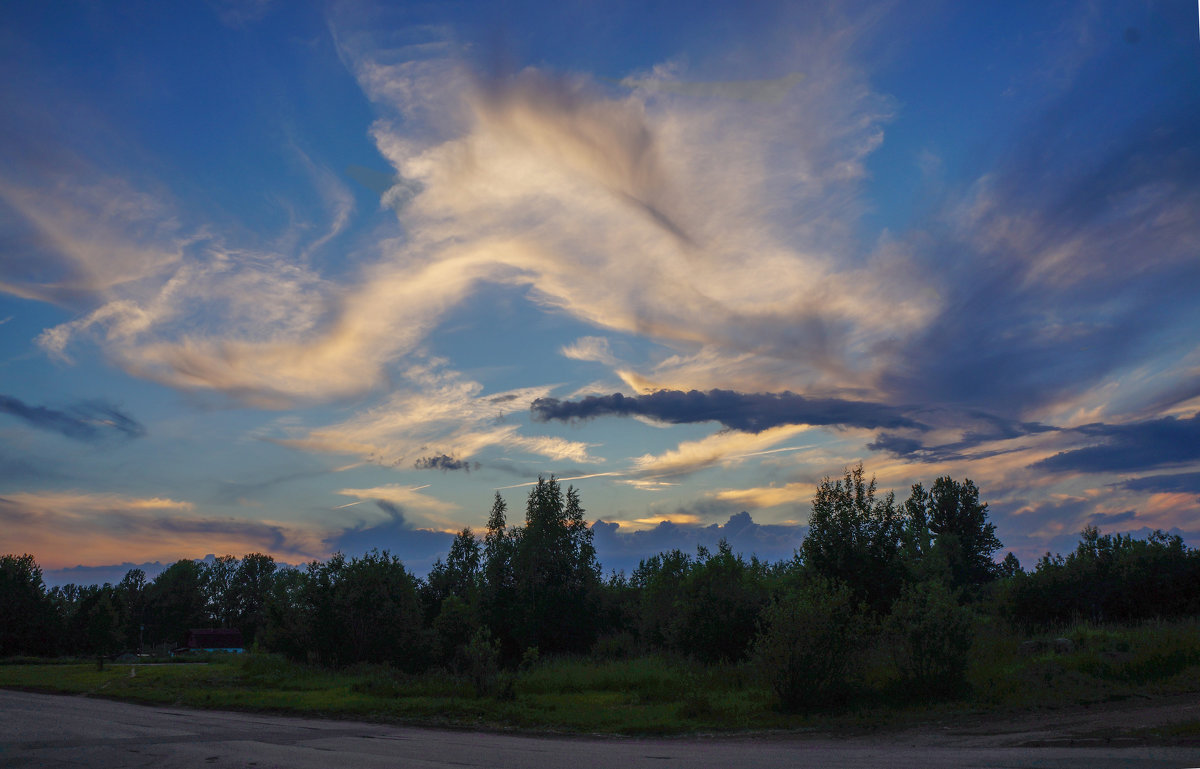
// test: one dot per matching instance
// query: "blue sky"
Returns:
(302, 277)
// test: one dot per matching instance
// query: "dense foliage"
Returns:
(917, 577)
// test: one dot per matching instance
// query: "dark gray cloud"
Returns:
(1105, 520)
(445, 464)
(976, 427)
(1188, 483)
(87, 421)
(748, 412)
(1131, 447)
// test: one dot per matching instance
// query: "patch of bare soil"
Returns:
(1135, 721)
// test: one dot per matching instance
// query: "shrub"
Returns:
(806, 644)
(482, 657)
(931, 637)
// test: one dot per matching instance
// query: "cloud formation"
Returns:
(443, 463)
(437, 412)
(1177, 482)
(112, 528)
(88, 421)
(1131, 447)
(748, 412)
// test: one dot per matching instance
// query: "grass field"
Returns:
(652, 695)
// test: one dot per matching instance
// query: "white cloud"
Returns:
(403, 496)
(725, 448)
(436, 412)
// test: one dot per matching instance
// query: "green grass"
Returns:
(654, 695)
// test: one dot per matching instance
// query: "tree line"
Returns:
(917, 570)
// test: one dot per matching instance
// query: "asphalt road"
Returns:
(40, 730)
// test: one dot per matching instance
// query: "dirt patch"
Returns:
(1171, 720)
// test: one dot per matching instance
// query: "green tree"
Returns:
(499, 591)
(27, 611)
(362, 610)
(1010, 567)
(216, 580)
(720, 599)
(249, 592)
(949, 524)
(286, 629)
(658, 581)
(175, 603)
(555, 573)
(854, 538)
(459, 576)
(130, 595)
(100, 630)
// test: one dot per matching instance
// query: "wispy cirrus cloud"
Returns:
(401, 496)
(436, 412)
(723, 449)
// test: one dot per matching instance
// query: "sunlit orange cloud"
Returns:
(64, 529)
(768, 496)
(640, 524)
(1170, 510)
(722, 448)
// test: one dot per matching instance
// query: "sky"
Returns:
(299, 278)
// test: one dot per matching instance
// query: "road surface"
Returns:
(41, 730)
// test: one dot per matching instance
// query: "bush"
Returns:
(931, 637)
(807, 641)
(615, 646)
(482, 657)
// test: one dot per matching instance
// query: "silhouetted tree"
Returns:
(854, 538)
(658, 581)
(249, 592)
(130, 596)
(555, 572)
(28, 616)
(720, 599)
(459, 575)
(1109, 577)
(499, 590)
(175, 603)
(287, 618)
(362, 610)
(948, 536)
(99, 630)
(216, 580)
